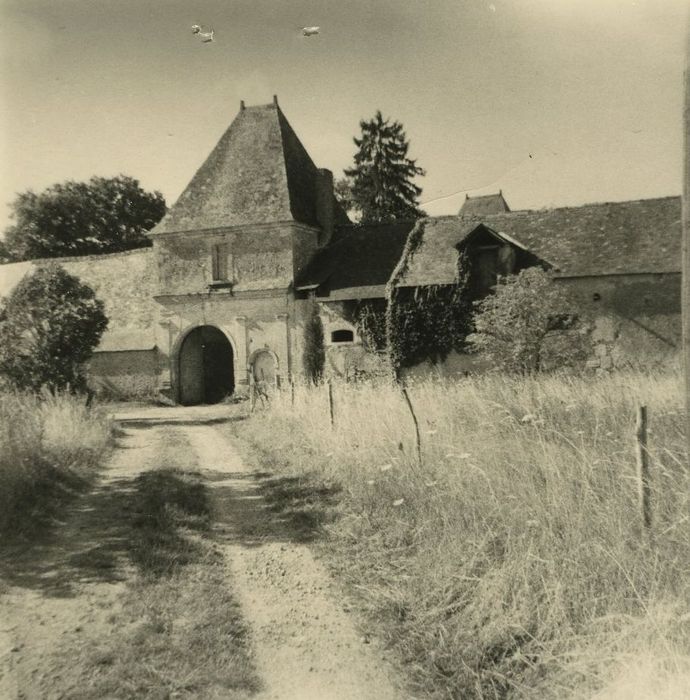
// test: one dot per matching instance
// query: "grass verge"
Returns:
(512, 562)
(50, 448)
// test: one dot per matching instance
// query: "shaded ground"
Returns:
(176, 497)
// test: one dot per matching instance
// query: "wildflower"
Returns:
(371, 482)
(329, 454)
(431, 483)
(464, 455)
(386, 467)
(532, 523)
(399, 502)
(431, 432)
(528, 418)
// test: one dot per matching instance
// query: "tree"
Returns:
(520, 327)
(103, 215)
(49, 327)
(314, 357)
(381, 179)
(342, 189)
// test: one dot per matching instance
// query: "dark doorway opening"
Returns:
(205, 367)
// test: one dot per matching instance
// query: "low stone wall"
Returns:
(130, 374)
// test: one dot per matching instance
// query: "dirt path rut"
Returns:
(305, 646)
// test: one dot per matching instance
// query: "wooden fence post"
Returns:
(685, 243)
(643, 466)
(418, 440)
(330, 402)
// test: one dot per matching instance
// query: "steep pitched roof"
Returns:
(363, 256)
(641, 236)
(484, 204)
(259, 172)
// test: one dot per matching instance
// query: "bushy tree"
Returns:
(314, 357)
(381, 181)
(103, 215)
(49, 327)
(527, 324)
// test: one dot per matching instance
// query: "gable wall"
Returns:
(636, 320)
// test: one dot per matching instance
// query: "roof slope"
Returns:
(484, 204)
(362, 256)
(259, 172)
(641, 236)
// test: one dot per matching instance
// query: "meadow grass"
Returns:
(50, 447)
(513, 561)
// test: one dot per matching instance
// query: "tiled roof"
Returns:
(259, 172)
(362, 256)
(641, 236)
(484, 204)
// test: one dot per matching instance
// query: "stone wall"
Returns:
(634, 320)
(124, 375)
(258, 257)
(126, 362)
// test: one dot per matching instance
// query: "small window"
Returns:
(342, 336)
(219, 262)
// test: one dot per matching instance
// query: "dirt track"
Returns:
(305, 644)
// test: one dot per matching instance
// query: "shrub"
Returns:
(49, 327)
(527, 325)
(314, 357)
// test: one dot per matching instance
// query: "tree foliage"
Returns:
(49, 326)
(523, 326)
(381, 182)
(314, 358)
(103, 215)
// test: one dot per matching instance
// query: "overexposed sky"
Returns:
(555, 101)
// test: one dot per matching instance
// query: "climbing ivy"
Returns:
(369, 318)
(426, 323)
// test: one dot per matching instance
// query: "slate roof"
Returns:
(259, 172)
(484, 204)
(363, 257)
(641, 236)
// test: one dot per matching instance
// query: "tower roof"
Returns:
(484, 204)
(258, 173)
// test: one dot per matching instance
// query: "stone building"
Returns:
(219, 299)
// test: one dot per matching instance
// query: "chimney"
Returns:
(324, 205)
(275, 100)
(241, 105)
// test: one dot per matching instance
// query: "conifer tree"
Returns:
(382, 187)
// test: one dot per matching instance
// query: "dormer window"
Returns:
(219, 262)
(485, 269)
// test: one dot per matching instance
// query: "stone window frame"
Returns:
(219, 262)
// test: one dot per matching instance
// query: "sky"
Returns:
(556, 102)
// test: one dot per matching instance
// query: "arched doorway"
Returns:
(206, 372)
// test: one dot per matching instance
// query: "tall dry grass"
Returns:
(49, 447)
(513, 563)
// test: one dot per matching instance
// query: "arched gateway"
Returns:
(206, 372)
